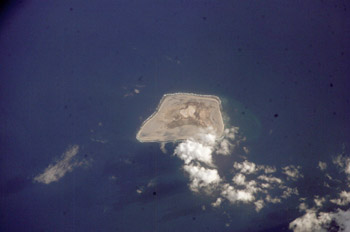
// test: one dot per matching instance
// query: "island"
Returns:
(181, 116)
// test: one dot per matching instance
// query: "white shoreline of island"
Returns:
(160, 103)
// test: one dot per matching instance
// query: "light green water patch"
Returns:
(238, 115)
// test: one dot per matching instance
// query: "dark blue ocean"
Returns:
(88, 73)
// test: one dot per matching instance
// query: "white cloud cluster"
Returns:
(315, 219)
(322, 222)
(195, 152)
(55, 172)
(251, 182)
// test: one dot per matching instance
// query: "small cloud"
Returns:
(202, 178)
(344, 198)
(217, 203)
(266, 185)
(173, 60)
(140, 190)
(342, 162)
(322, 165)
(151, 183)
(329, 177)
(245, 167)
(162, 148)
(224, 147)
(239, 179)
(99, 140)
(259, 204)
(289, 192)
(267, 169)
(246, 150)
(292, 172)
(274, 200)
(54, 172)
(270, 179)
(251, 168)
(319, 201)
(233, 195)
(302, 207)
(130, 91)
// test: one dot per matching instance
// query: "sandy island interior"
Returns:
(181, 116)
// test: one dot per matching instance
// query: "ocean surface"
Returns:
(88, 73)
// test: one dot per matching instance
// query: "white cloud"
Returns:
(202, 178)
(217, 203)
(342, 162)
(343, 219)
(266, 185)
(162, 148)
(199, 150)
(289, 191)
(239, 179)
(192, 150)
(267, 169)
(206, 137)
(55, 172)
(302, 207)
(140, 190)
(251, 168)
(270, 179)
(259, 204)
(321, 222)
(246, 150)
(322, 165)
(329, 177)
(246, 186)
(224, 146)
(344, 198)
(245, 167)
(234, 195)
(292, 172)
(230, 133)
(310, 221)
(275, 200)
(319, 201)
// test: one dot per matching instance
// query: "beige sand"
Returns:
(181, 116)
